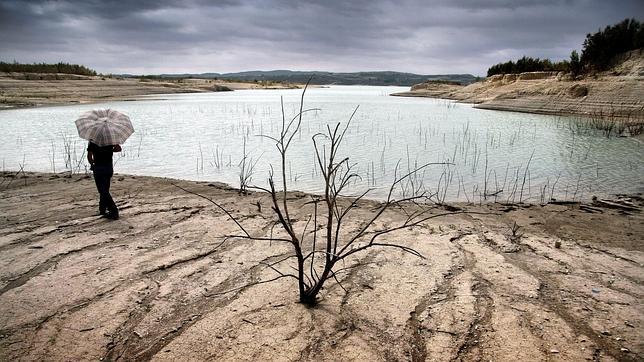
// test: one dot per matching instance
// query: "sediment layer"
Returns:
(31, 90)
(618, 93)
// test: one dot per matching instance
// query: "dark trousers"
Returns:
(103, 178)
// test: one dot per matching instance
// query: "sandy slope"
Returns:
(617, 93)
(15, 91)
(157, 284)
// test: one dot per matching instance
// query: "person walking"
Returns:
(106, 130)
(100, 160)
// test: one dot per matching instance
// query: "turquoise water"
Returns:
(490, 155)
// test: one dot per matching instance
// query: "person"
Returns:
(100, 160)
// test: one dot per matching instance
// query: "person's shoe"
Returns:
(112, 215)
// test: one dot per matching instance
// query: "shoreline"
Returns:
(616, 94)
(491, 199)
(567, 281)
(29, 93)
(476, 94)
(527, 106)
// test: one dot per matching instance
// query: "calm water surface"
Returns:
(504, 155)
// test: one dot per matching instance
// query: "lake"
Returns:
(485, 155)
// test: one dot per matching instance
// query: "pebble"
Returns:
(625, 350)
(554, 351)
(629, 324)
(606, 333)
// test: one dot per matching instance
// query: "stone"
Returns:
(578, 91)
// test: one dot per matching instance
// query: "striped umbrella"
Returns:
(104, 127)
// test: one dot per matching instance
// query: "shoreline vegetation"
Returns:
(526, 281)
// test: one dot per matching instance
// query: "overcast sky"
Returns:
(427, 37)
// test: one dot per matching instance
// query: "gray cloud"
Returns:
(461, 36)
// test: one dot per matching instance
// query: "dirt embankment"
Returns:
(618, 93)
(31, 89)
(158, 284)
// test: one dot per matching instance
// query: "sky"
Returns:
(195, 36)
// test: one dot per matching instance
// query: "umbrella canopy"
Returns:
(104, 127)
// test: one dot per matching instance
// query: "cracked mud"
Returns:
(159, 284)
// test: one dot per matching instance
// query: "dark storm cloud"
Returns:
(195, 36)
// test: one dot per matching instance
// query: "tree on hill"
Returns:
(575, 63)
(598, 51)
(527, 64)
(601, 47)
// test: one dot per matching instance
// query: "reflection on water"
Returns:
(505, 156)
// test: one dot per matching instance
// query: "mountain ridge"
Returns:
(324, 78)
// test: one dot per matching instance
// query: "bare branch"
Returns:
(277, 271)
(338, 281)
(257, 238)
(246, 286)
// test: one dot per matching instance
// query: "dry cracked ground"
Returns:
(158, 284)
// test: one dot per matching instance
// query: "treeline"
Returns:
(601, 47)
(597, 52)
(527, 64)
(65, 68)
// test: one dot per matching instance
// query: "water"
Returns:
(488, 155)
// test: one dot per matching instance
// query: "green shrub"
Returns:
(61, 67)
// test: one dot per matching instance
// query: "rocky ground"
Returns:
(618, 93)
(565, 283)
(29, 90)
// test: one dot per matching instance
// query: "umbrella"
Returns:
(104, 127)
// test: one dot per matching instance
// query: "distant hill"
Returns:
(363, 78)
